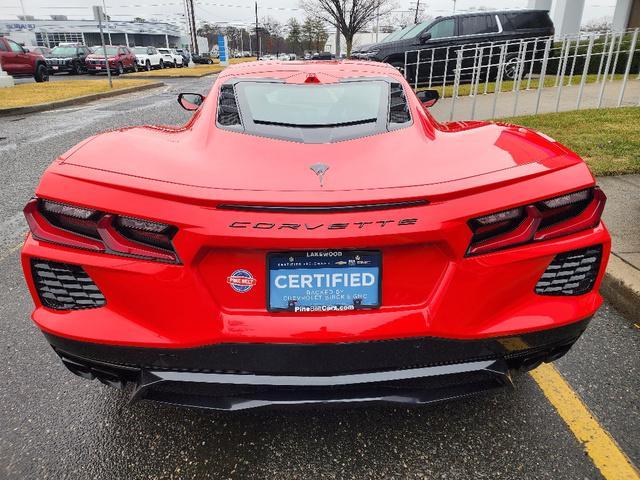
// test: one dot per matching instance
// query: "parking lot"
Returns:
(56, 425)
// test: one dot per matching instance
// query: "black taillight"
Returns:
(75, 219)
(90, 229)
(565, 207)
(551, 218)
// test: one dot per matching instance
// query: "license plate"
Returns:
(55, 67)
(324, 281)
(98, 68)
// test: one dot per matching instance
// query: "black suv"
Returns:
(67, 58)
(444, 35)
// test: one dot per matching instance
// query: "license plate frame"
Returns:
(354, 261)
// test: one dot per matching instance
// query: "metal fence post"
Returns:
(560, 57)
(533, 60)
(627, 69)
(404, 73)
(456, 83)
(606, 69)
(585, 69)
(543, 72)
(562, 71)
(573, 63)
(604, 48)
(513, 89)
(615, 61)
(486, 81)
(517, 80)
(444, 75)
(498, 82)
(415, 81)
(431, 66)
(474, 87)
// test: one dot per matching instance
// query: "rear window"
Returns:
(64, 51)
(313, 113)
(527, 20)
(313, 105)
(478, 24)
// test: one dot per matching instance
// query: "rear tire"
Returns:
(120, 69)
(161, 64)
(41, 74)
(147, 65)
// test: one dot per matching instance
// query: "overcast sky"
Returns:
(241, 11)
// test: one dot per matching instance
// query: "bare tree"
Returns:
(348, 16)
(598, 24)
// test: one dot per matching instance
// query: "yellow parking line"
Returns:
(603, 450)
(8, 252)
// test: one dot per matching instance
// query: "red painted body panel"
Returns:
(178, 176)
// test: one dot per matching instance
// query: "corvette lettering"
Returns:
(327, 226)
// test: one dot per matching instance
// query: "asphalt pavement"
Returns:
(56, 425)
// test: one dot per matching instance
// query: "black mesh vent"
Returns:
(65, 287)
(228, 113)
(398, 107)
(571, 273)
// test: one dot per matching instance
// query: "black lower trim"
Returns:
(324, 358)
(235, 376)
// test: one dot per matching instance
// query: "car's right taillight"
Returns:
(551, 218)
(89, 229)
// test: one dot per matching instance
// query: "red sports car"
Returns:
(313, 234)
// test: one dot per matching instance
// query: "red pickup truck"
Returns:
(17, 61)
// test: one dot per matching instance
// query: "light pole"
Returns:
(98, 13)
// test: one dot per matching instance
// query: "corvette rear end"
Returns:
(314, 235)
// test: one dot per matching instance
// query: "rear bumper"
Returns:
(238, 376)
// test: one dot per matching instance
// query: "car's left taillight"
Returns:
(544, 220)
(80, 227)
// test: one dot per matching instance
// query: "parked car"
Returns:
(148, 58)
(377, 256)
(447, 34)
(178, 59)
(170, 57)
(206, 58)
(18, 62)
(68, 58)
(323, 56)
(186, 56)
(36, 49)
(121, 60)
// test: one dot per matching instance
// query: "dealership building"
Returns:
(49, 33)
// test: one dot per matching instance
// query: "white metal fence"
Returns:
(594, 61)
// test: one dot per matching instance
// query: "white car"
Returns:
(171, 58)
(148, 58)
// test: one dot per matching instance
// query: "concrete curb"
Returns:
(149, 77)
(41, 107)
(621, 287)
